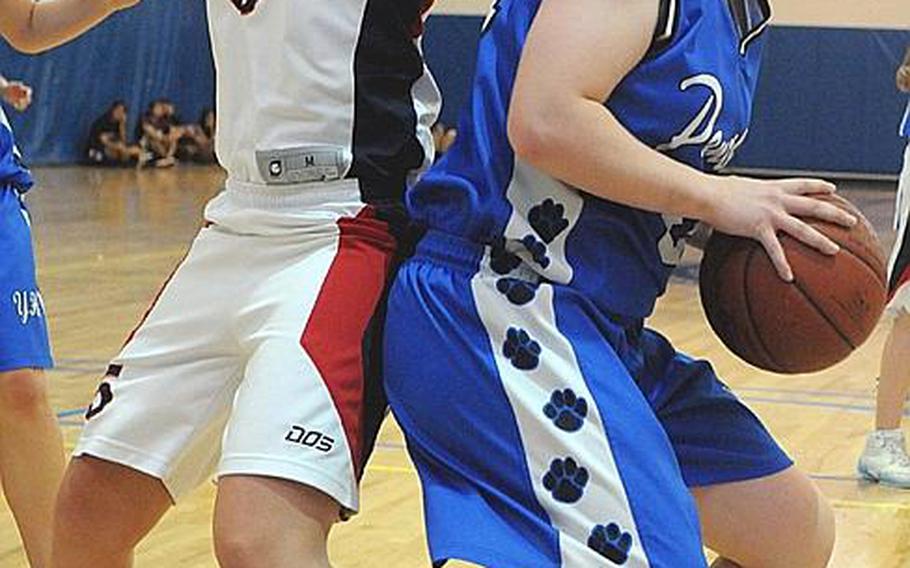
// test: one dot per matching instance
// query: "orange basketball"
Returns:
(806, 325)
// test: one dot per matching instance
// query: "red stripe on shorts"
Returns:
(335, 332)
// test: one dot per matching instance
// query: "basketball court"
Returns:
(106, 240)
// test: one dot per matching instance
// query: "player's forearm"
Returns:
(33, 27)
(583, 144)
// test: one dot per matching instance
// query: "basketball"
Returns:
(807, 325)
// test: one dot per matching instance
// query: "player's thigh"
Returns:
(102, 497)
(524, 425)
(264, 521)
(287, 423)
(743, 481)
(777, 521)
(163, 404)
(307, 409)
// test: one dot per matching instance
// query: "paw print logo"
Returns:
(611, 543)
(502, 261)
(682, 230)
(521, 350)
(519, 292)
(567, 410)
(537, 249)
(548, 220)
(566, 480)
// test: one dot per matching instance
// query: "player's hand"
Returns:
(18, 94)
(903, 78)
(761, 210)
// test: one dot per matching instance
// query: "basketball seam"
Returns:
(865, 262)
(824, 316)
(751, 322)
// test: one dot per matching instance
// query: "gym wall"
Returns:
(826, 102)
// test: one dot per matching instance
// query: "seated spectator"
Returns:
(107, 143)
(198, 141)
(157, 135)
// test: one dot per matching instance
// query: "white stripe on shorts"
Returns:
(528, 393)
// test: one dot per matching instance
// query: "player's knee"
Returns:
(23, 393)
(259, 546)
(809, 544)
(238, 548)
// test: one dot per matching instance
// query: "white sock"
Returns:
(891, 435)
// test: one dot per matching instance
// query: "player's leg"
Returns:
(300, 428)
(895, 375)
(31, 458)
(776, 521)
(31, 448)
(533, 445)
(153, 430)
(885, 457)
(756, 509)
(100, 497)
(269, 522)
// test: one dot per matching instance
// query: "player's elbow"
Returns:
(534, 133)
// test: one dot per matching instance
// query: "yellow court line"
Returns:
(392, 469)
(848, 504)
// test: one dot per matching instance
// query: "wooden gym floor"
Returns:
(107, 239)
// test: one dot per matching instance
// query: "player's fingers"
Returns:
(768, 239)
(807, 186)
(809, 235)
(810, 207)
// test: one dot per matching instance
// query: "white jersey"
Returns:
(319, 90)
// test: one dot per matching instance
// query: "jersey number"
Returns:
(246, 7)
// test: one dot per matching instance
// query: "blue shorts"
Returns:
(23, 325)
(546, 432)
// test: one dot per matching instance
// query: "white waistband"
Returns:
(345, 191)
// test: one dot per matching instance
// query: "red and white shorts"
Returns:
(899, 267)
(252, 360)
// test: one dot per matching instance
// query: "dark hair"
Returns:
(203, 116)
(114, 105)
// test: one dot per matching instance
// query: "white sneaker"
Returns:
(885, 459)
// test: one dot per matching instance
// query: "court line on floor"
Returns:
(882, 505)
(74, 370)
(862, 409)
(807, 392)
(855, 408)
(76, 365)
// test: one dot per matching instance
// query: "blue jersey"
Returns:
(690, 98)
(12, 171)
